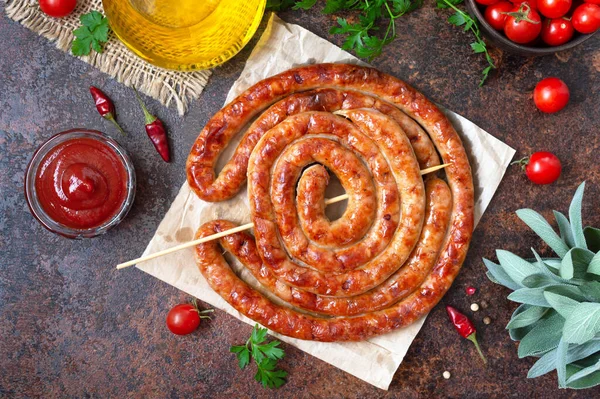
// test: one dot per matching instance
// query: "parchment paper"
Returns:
(281, 47)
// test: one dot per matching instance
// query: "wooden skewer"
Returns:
(243, 227)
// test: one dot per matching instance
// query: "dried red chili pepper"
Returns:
(155, 130)
(105, 106)
(464, 327)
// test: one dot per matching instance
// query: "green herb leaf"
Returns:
(527, 317)
(538, 280)
(566, 290)
(575, 263)
(279, 5)
(591, 290)
(564, 226)
(561, 362)
(304, 4)
(542, 228)
(457, 19)
(478, 47)
(91, 35)
(562, 304)
(265, 356)
(592, 238)
(547, 363)
(584, 373)
(530, 296)
(516, 267)
(499, 275)
(594, 266)
(575, 216)
(583, 323)
(542, 338)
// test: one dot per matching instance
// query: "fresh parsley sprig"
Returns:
(462, 19)
(92, 34)
(265, 356)
(360, 36)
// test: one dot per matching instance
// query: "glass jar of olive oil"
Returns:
(184, 34)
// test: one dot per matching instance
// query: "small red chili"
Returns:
(104, 106)
(470, 290)
(464, 327)
(155, 130)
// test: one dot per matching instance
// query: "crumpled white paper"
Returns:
(281, 47)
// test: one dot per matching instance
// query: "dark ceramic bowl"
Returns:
(501, 41)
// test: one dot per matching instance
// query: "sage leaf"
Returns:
(592, 238)
(548, 270)
(585, 372)
(517, 334)
(575, 217)
(527, 317)
(554, 263)
(565, 228)
(561, 363)
(567, 290)
(547, 363)
(529, 296)
(542, 228)
(591, 291)
(538, 280)
(543, 337)
(575, 263)
(583, 323)
(562, 304)
(594, 266)
(500, 276)
(515, 266)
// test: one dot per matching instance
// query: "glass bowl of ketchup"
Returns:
(80, 183)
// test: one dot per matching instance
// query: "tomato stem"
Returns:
(522, 14)
(523, 162)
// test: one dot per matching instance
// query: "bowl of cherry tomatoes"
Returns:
(537, 27)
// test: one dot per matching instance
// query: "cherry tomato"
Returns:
(557, 31)
(523, 24)
(57, 8)
(487, 2)
(494, 14)
(185, 318)
(543, 168)
(551, 95)
(532, 3)
(597, 2)
(554, 8)
(586, 18)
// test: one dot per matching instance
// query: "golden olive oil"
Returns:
(184, 34)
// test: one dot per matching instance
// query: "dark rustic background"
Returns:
(71, 326)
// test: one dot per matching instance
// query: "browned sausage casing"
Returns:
(401, 241)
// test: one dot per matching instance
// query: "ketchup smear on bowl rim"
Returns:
(80, 183)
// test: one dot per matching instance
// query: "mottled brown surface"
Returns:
(72, 326)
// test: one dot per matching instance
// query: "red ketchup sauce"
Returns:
(81, 183)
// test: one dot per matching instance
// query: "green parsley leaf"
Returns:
(91, 35)
(457, 19)
(279, 5)
(265, 356)
(478, 47)
(304, 4)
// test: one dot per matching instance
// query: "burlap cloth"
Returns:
(168, 87)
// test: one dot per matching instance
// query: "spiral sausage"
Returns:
(401, 241)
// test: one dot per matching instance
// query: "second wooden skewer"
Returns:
(243, 227)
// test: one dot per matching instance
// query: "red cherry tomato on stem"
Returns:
(487, 2)
(57, 8)
(554, 8)
(541, 167)
(551, 95)
(185, 318)
(495, 14)
(523, 24)
(586, 18)
(557, 31)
